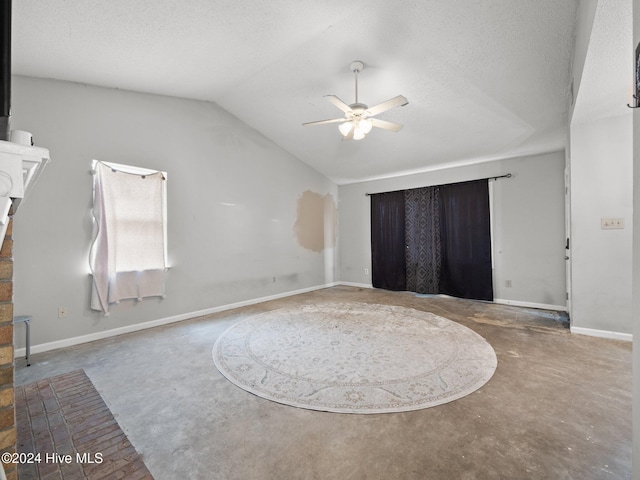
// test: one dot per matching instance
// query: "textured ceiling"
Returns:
(484, 78)
(607, 76)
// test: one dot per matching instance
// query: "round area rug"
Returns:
(354, 358)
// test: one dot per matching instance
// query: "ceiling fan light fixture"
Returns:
(360, 128)
(358, 135)
(345, 128)
(364, 125)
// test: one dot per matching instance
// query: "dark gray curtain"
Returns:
(388, 268)
(465, 230)
(422, 235)
(433, 240)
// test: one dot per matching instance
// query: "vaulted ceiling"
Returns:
(485, 79)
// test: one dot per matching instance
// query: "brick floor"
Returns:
(64, 420)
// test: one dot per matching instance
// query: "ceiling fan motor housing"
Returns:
(358, 108)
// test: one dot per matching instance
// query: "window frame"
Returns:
(144, 171)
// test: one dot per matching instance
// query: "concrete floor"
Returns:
(558, 406)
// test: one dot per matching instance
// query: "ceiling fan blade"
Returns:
(398, 101)
(394, 127)
(322, 122)
(338, 103)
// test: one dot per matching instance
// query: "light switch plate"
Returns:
(611, 223)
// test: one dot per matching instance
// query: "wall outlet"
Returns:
(62, 312)
(507, 283)
(366, 271)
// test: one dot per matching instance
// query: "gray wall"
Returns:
(601, 187)
(527, 217)
(584, 23)
(636, 267)
(243, 213)
(601, 170)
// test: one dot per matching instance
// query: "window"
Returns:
(434, 239)
(129, 253)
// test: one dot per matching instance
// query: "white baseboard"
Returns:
(542, 306)
(353, 284)
(592, 332)
(69, 342)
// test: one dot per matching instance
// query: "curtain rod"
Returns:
(127, 169)
(508, 175)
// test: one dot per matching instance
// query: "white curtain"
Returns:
(128, 255)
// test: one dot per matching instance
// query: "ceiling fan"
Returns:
(358, 119)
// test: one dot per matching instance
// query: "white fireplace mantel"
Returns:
(20, 167)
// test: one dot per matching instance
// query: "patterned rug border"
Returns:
(488, 362)
(64, 417)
